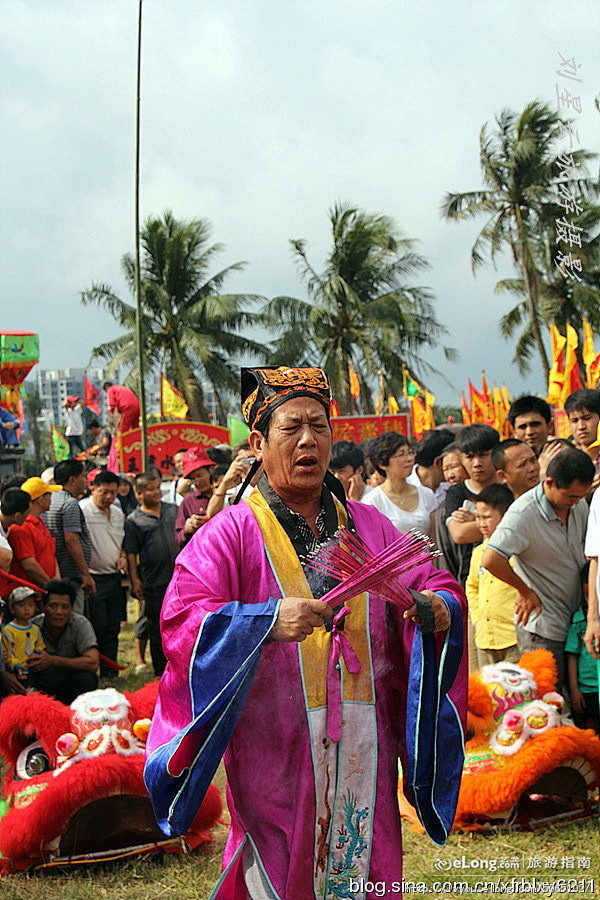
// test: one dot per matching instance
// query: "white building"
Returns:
(55, 385)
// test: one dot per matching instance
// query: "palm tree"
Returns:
(188, 326)
(361, 312)
(563, 300)
(519, 162)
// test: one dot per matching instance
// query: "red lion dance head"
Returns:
(74, 786)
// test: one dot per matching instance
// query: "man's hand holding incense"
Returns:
(298, 617)
(440, 612)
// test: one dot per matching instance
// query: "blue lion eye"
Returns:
(33, 760)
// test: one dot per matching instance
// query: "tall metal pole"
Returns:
(138, 288)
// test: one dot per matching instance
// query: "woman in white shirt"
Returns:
(406, 505)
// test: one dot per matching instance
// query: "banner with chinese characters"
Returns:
(165, 439)
(358, 428)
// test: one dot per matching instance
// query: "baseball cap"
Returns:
(19, 593)
(35, 487)
(195, 458)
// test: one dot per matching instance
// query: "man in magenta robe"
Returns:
(311, 710)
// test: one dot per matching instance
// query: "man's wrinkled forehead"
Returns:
(292, 413)
(518, 454)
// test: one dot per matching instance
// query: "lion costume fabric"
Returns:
(73, 787)
(524, 766)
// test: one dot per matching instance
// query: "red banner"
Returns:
(358, 428)
(164, 440)
(91, 395)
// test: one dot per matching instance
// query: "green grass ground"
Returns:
(564, 856)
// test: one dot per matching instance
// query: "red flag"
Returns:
(9, 582)
(480, 408)
(91, 395)
(488, 394)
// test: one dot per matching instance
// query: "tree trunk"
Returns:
(531, 280)
(188, 384)
(194, 398)
(346, 402)
(33, 407)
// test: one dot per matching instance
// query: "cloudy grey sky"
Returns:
(259, 115)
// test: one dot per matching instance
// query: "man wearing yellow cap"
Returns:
(34, 548)
(308, 704)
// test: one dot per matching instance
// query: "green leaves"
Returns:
(190, 328)
(522, 179)
(362, 307)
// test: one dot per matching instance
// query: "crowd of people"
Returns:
(81, 537)
(256, 668)
(515, 521)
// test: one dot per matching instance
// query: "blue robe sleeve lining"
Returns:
(176, 790)
(434, 778)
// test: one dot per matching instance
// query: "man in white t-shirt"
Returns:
(74, 429)
(427, 470)
(106, 526)
(169, 491)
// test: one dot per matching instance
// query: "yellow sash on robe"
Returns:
(315, 650)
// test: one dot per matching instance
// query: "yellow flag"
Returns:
(429, 416)
(588, 352)
(556, 377)
(418, 417)
(354, 382)
(393, 408)
(171, 401)
(589, 356)
(571, 380)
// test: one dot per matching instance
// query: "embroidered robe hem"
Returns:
(309, 817)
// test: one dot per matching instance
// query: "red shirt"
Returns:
(32, 539)
(121, 398)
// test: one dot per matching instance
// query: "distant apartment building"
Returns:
(55, 385)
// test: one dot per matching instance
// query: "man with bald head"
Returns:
(307, 703)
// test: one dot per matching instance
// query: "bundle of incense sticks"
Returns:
(349, 560)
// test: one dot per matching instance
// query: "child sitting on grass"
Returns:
(20, 637)
(491, 601)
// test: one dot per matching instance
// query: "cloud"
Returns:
(260, 117)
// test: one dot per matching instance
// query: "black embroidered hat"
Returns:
(264, 389)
